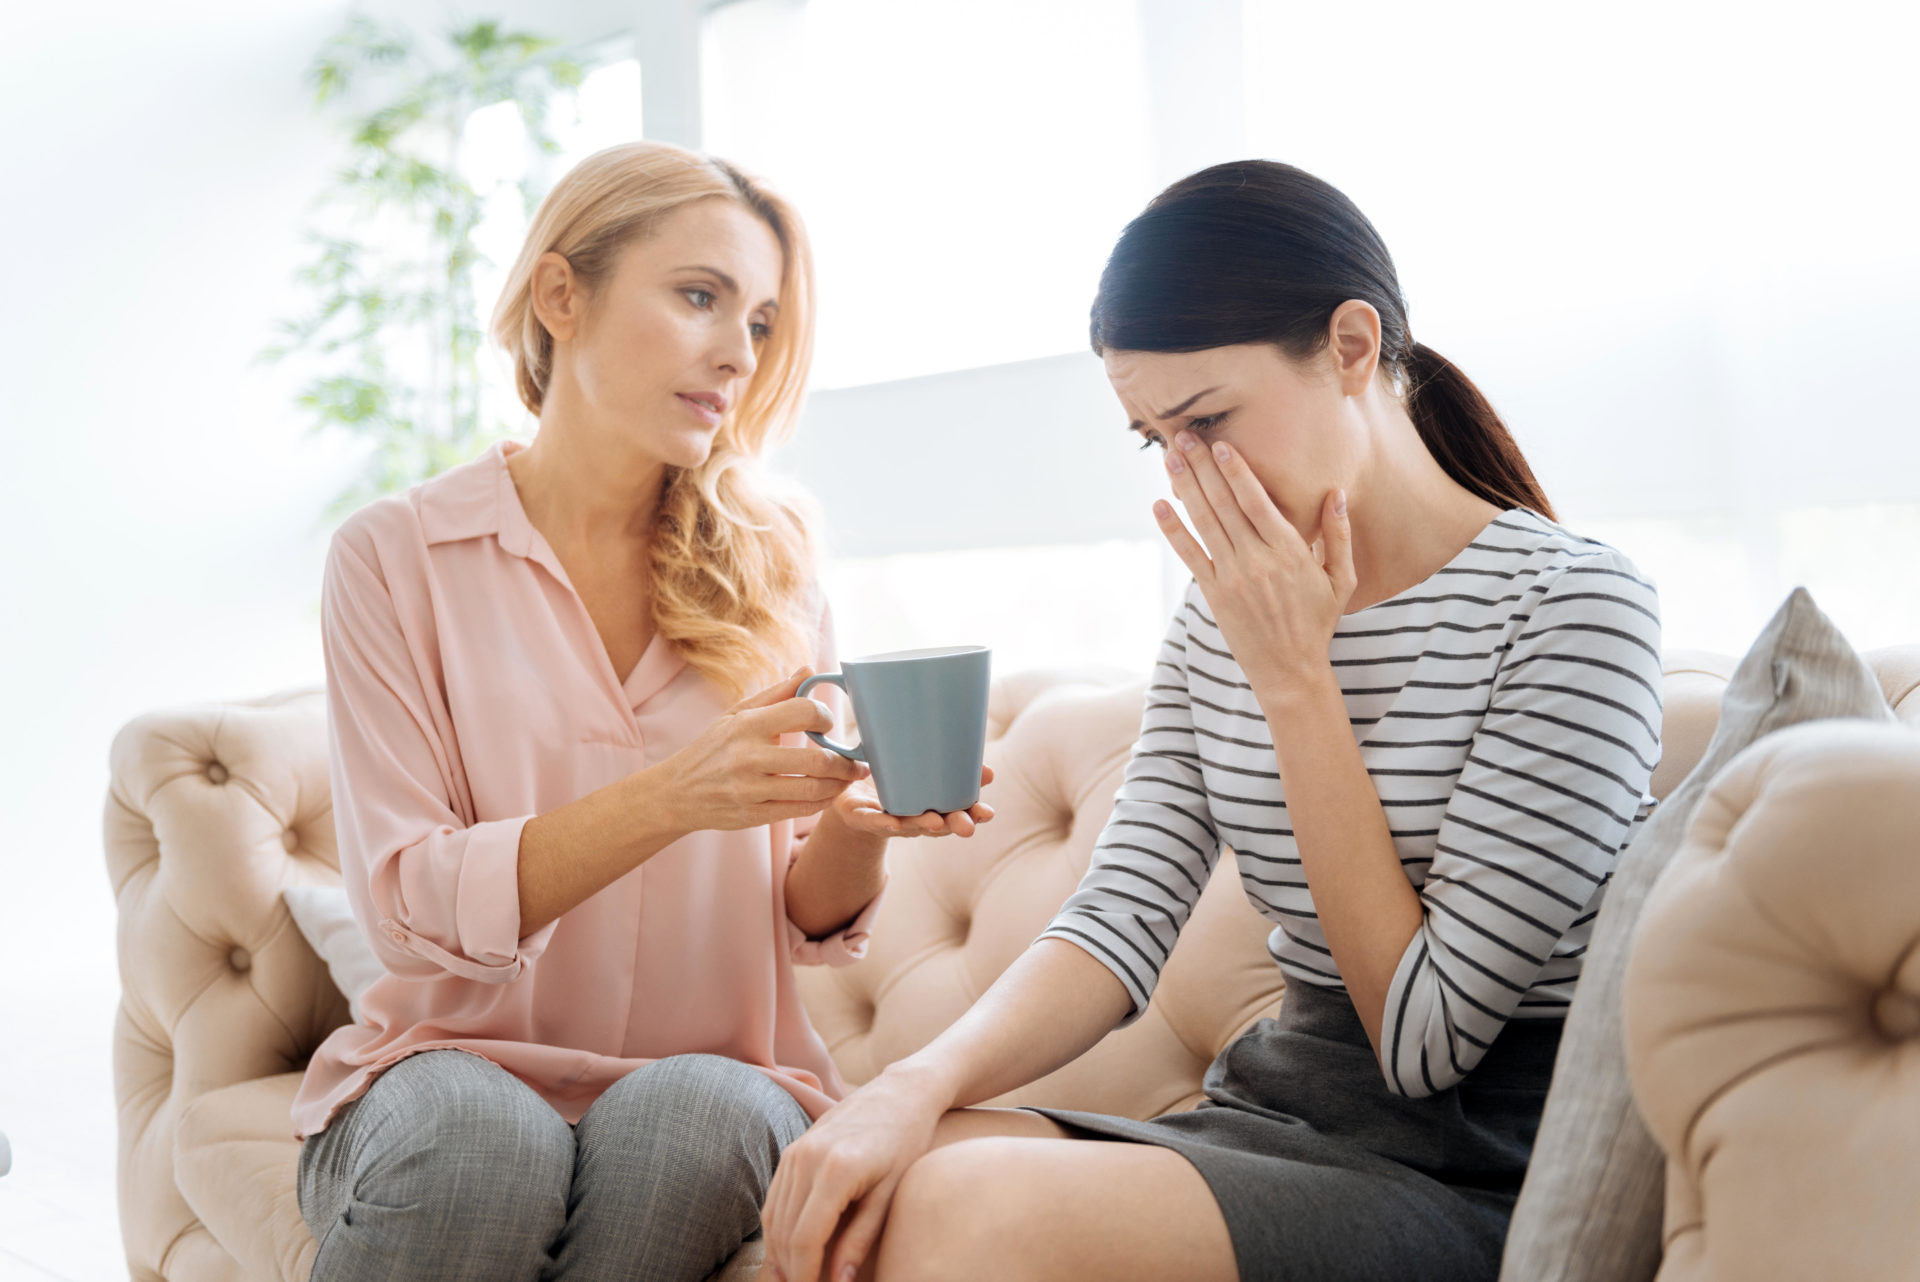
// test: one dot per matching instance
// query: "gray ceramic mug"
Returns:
(923, 724)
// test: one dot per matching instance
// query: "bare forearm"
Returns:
(1368, 909)
(573, 852)
(1052, 1005)
(838, 873)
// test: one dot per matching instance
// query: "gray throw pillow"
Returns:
(1591, 1207)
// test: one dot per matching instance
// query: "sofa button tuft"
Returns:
(239, 958)
(216, 773)
(1897, 1013)
(291, 840)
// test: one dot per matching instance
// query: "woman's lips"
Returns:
(705, 411)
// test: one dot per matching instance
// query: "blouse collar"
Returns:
(478, 498)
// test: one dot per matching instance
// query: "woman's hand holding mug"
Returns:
(738, 774)
(859, 808)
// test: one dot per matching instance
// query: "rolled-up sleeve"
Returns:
(848, 944)
(436, 894)
(843, 947)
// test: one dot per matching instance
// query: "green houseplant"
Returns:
(392, 324)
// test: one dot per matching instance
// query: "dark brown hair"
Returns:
(1255, 251)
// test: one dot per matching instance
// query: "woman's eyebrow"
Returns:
(727, 281)
(1136, 425)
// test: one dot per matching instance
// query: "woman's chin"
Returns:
(684, 448)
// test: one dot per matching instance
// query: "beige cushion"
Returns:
(1590, 1210)
(1772, 1013)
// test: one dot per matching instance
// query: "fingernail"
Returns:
(1339, 502)
(846, 1273)
(1221, 452)
(1175, 463)
(1188, 441)
(1161, 510)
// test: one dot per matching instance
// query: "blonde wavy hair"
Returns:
(733, 548)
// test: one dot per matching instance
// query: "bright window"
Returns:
(1061, 605)
(1674, 243)
(962, 168)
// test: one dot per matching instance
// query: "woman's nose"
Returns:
(737, 357)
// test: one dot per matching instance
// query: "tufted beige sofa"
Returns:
(213, 810)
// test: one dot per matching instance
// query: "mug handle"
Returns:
(858, 751)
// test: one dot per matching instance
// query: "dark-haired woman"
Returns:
(1423, 715)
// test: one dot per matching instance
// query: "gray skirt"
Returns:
(1324, 1175)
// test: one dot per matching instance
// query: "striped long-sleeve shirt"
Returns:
(1508, 711)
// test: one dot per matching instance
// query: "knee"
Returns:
(480, 1151)
(462, 1189)
(957, 1215)
(508, 1157)
(711, 1117)
(713, 1086)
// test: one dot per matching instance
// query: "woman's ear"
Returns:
(555, 296)
(1353, 339)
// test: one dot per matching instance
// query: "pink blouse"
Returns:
(469, 691)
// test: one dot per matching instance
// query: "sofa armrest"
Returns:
(211, 811)
(1771, 1011)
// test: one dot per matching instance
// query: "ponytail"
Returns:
(1465, 435)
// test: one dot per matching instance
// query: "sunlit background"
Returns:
(1673, 242)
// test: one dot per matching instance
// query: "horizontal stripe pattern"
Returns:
(1508, 712)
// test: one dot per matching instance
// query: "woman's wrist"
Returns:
(1290, 695)
(927, 1079)
(857, 844)
(839, 871)
(653, 808)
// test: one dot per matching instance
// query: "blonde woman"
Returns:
(587, 862)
